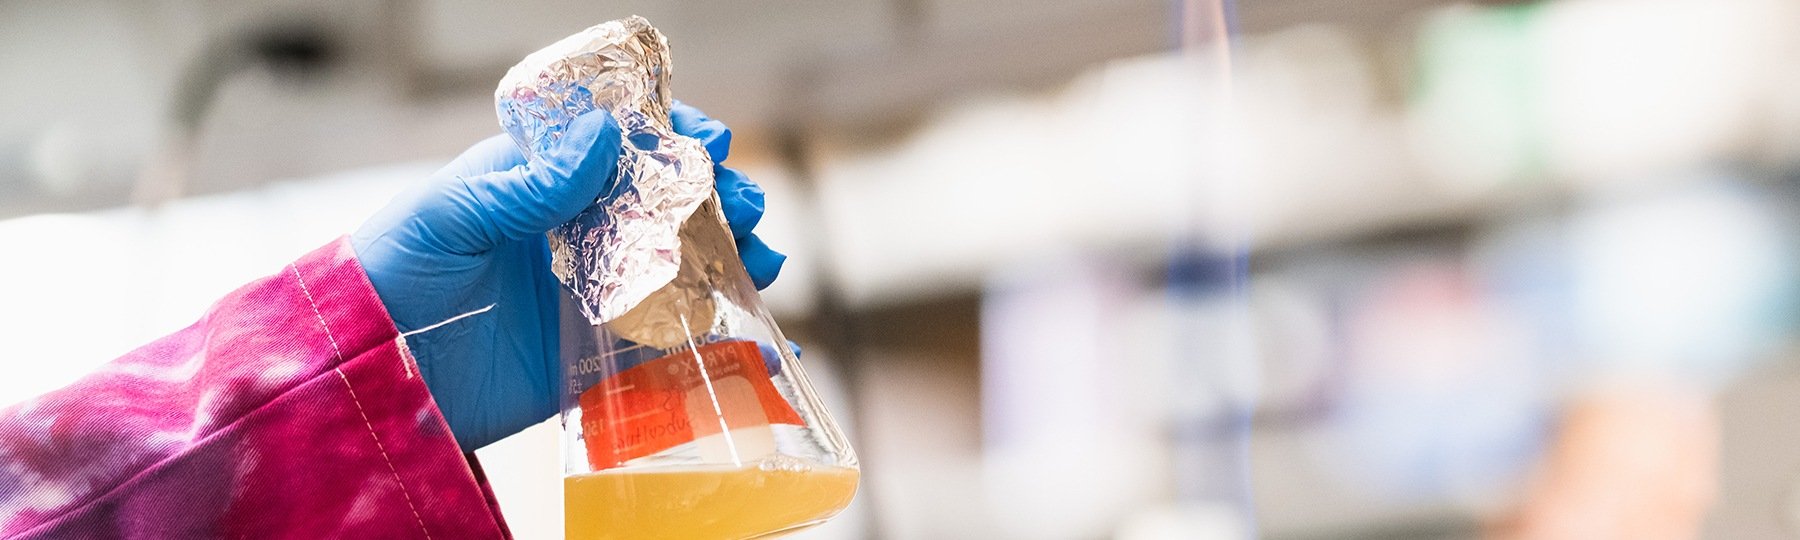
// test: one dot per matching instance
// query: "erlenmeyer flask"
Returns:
(693, 419)
(685, 413)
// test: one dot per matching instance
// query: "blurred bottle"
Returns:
(1070, 437)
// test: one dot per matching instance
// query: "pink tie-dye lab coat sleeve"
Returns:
(290, 410)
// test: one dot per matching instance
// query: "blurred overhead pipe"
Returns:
(297, 50)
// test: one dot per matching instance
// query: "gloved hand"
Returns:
(472, 236)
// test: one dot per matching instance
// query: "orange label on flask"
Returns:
(675, 399)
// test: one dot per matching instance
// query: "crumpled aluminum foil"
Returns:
(626, 247)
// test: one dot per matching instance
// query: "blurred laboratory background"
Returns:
(1079, 269)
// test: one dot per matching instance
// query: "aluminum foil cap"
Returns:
(627, 245)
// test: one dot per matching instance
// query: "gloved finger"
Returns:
(763, 263)
(772, 357)
(527, 200)
(742, 200)
(713, 134)
(496, 153)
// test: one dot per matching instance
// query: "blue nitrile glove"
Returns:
(472, 236)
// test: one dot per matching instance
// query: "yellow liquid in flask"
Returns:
(725, 503)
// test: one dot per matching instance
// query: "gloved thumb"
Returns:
(551, 188)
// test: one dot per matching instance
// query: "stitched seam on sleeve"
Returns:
(339, 353)
(384, 455)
